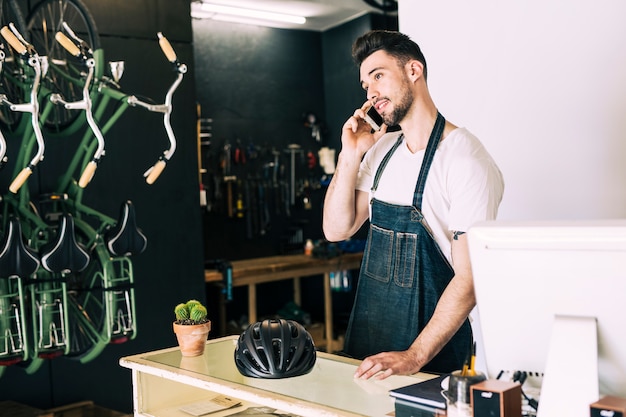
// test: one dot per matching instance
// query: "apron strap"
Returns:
(433, 142)
(384, 162)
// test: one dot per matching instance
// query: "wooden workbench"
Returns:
(250, 272)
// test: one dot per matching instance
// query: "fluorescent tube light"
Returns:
(254, 14)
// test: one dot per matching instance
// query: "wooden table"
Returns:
(251, 272)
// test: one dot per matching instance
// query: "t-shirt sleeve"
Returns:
(476, 191)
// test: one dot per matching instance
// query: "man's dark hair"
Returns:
(396, 44)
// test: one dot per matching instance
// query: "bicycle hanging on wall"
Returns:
(72, 277)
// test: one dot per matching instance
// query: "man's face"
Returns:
(387, 85)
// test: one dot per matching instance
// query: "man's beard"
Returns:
(400, 109)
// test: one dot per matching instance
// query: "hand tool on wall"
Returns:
(240, 209)
(240, 154)
(264, 208)
(248, 208)
(292, 150)
(229, 180)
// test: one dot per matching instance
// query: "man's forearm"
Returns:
(339, 216)
(452, 310)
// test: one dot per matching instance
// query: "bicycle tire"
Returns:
(64, 71)
(12, 75)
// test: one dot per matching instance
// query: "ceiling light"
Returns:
(254, 14)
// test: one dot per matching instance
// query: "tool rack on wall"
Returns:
(267, 188)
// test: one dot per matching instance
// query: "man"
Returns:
(415, 290)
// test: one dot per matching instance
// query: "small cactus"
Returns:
(181, 312)
(198, 313)
(191, 312)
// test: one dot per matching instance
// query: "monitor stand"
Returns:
(570, 382)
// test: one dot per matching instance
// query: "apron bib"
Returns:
(402, 277)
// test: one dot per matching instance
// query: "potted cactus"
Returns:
(191, 327)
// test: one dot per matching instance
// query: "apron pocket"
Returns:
(406, 259)
(378, 260)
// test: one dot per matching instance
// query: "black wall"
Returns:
(256, 84)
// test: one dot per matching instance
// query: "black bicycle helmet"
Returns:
(275, 348)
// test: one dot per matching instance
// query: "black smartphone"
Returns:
(373, 118)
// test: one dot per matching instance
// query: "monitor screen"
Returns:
(526, 274)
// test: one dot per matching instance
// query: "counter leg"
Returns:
(252, 304)
(328, 313)
(297, 291)
(222, 313)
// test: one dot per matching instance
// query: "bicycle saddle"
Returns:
(126, 238)
(16, 259)
(65, 254)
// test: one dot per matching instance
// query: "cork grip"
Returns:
(20, 179)
(166, 48)
(157, 169)
(13, 40)
(67, 43)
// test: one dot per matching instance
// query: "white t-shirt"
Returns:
(464, 184)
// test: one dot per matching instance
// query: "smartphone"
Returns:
(373, 118)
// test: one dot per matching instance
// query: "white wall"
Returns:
(543, 85)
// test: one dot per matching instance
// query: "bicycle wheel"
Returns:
(65, 71)
(12, 77)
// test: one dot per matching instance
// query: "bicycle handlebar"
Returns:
(153, 172)
(17, 42)
(3, 142)
(79, 49)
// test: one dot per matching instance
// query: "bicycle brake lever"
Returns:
(84, 48)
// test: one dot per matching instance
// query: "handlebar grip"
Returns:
(20, 179)
(87, 174)
(19, 47)
(67, 43)
(166, 48)
(156, 170)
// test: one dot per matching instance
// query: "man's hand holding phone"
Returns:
(361, 131)
(374, 118)
(367, 113)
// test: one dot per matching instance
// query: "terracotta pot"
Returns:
(192, 337)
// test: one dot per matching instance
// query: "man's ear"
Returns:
(414, 69)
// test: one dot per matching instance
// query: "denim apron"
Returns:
(403, 274)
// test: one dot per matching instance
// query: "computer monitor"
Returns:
(551, 299)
